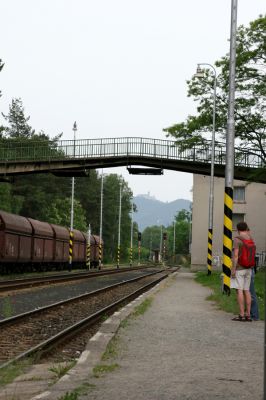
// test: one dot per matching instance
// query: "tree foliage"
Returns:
(111, 196)
(152, 236)
(250, 97)
(18, 126)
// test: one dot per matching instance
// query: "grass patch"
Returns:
(125, 323)
(7, 307)
(11, 372)
(61, 369)
(143, 307)
(229, 303)
(82, 390)
(111, 349)
(69, 396)
(103, 368)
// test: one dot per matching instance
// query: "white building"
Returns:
(249, 206)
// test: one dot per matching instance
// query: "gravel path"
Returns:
(29, 299)
(184, 348)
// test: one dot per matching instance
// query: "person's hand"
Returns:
(233, 272)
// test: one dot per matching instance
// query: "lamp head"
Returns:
(75, 126)
(199, 73)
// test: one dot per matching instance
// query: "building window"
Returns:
(236, 218)
(239, 194)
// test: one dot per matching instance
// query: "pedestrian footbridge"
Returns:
(77, 157)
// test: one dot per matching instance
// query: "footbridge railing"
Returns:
(122, 147)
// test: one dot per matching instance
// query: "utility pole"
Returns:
(174, 243)
(131, 236)
(88, 260)
(101, 225)
(119, 226)
(71, 232)
(200, 73)
(229, 164)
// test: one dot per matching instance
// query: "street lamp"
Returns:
(71, 233)
(200, 74)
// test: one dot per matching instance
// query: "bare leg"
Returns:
(240, 300)
(248, 302)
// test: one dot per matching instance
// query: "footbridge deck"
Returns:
(76, 156)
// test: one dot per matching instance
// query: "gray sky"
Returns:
(117, 67)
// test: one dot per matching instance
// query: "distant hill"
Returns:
(151, 211)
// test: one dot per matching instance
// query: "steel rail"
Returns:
(22, 283)
(40, 310)
(86, 322)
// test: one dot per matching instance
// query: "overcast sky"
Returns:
(117, 67)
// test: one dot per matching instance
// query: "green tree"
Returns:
(151, 237)
(58, 212)
(250, 93)
(182, 232)
(111, 192)
(88, 191)
(5, 197)
(18, 124)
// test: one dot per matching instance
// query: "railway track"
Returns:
(23, 283)
(37, 331)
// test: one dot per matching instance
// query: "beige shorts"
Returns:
(242, 279)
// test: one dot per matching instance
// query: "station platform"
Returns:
(182, 347)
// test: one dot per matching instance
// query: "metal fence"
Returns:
(261, 259)
(121, 147)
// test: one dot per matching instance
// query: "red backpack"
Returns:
(247, 253)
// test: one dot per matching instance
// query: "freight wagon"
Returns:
(29, 245)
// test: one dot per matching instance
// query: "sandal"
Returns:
(248, 318)
(239, 318)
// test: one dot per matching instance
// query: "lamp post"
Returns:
(200, 74)
(161, 244)
(131, 235)
(190, 232)
(174, 242)
(119, 226)
(71, 233)
(101, 225)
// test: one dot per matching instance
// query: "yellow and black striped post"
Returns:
(88, 253)
(227, 239)
(100, 255)
(88, 260)
(131, 256)
(71, 239)
(209, 258)
(118, 256)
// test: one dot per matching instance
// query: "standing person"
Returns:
(244, 251)
(254, 310)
